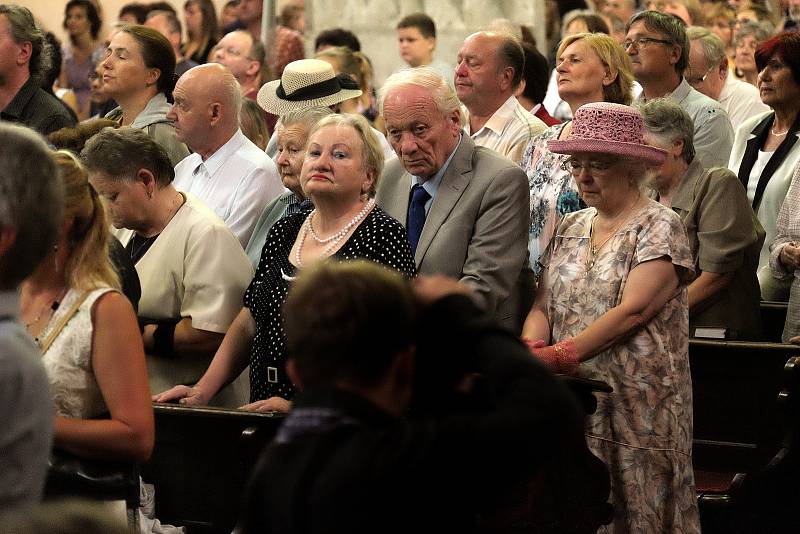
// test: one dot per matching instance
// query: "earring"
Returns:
(55, 257)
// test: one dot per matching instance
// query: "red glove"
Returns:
(559, 358)
(534, 343)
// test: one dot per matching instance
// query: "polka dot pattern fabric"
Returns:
(379, 238)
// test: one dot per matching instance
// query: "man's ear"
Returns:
(294, 375)
(401, 372)
(506, 76)
(24, 54)
(214, 112)
(8, 236)
(253, 68)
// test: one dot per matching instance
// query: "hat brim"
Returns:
(649, 154)
(270, 102)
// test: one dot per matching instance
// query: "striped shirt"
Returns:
(508, 131)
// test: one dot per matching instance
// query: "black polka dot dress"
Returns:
(379, 238)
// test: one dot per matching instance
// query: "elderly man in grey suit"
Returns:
(465, 207)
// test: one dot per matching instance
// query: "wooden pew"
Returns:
(739, 428)
(203, 457)
(201, 462)
(773, 317)
(734, 386)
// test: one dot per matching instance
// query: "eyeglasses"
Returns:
(575, 166)
(694, 81)
(643, 42)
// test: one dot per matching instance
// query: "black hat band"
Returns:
(318, 90)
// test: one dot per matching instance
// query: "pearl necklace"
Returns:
(772, 130)
(336, 238)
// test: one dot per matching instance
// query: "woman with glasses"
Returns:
(765, 150)
(612, 305)
(591, 67)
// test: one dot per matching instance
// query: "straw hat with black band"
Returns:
(306, 83)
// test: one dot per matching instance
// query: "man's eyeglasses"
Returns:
(643, 42)
(694, 81)
(575, 166)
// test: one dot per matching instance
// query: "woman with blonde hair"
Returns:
(591, 67)
(358, 67)
(88, 335)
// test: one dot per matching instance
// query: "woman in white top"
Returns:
(193, 271)
(88, 335)
(765, 150)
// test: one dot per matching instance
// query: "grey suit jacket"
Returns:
(476, 229)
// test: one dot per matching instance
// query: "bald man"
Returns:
(227, 171)
(490, 67)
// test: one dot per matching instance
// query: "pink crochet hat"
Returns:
(606, 128)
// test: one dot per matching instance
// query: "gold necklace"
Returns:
(593, 249)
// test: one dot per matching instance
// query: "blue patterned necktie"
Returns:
(416, 215)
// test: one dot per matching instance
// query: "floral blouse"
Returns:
(552, 189)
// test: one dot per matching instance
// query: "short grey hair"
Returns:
(671, 27)
(121, 153)
(761, 30)
(371, 147)
(31, 201)
(443, 95)
(24, 29)
(308, 117)
(712, 46)
(668, 121)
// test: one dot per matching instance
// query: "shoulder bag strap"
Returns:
(51, 337)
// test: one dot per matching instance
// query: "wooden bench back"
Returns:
(737, 424)
(201, 462)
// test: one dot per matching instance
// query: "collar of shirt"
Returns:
(17, 105)
(682, 199)
(727, 88)
(678, 94)
(431, 185)
(218, 158)
(499, 119)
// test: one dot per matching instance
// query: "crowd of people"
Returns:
(197, 213)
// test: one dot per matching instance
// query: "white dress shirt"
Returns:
(740, 100)
(236, 182)
(508, 131)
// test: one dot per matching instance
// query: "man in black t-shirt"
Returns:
(24, 58)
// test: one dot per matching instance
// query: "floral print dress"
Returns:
(553, 191)
(643, 429)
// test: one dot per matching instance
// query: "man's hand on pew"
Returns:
(183, 395)
(272, 404)
(795, 340)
